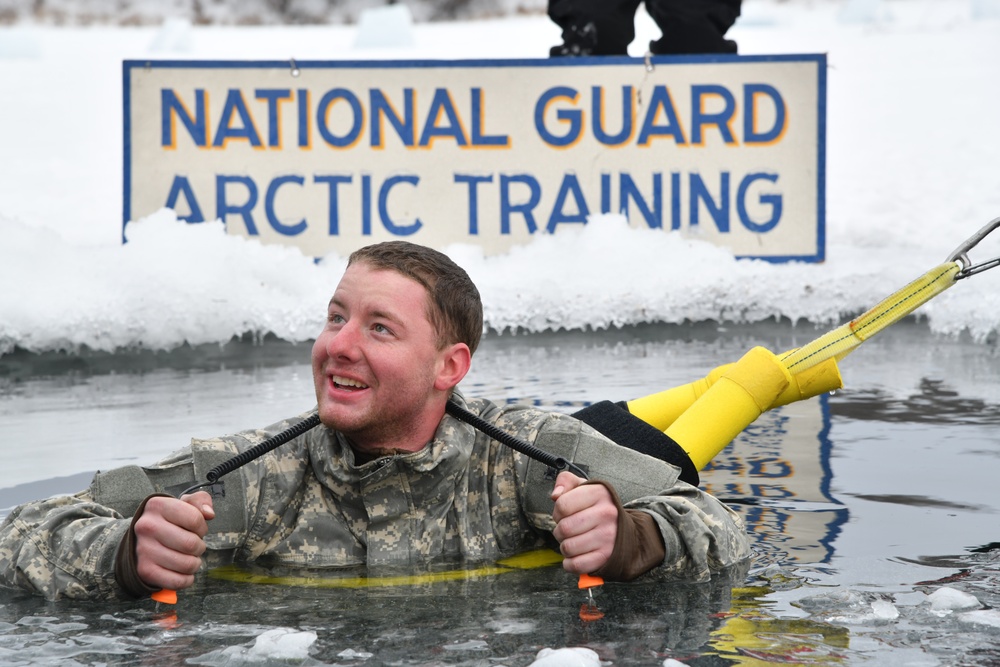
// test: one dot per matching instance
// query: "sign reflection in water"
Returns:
(776, 474)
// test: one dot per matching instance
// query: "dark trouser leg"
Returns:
(693, 26)
(594, 27)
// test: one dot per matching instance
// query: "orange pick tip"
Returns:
(590, 613)
(166, 596)
(589, 581)
(167, 621)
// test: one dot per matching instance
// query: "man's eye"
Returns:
(380, 328)
(335, 318)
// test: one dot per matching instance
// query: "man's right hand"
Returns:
(169, 542)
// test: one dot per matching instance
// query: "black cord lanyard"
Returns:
(556, 464)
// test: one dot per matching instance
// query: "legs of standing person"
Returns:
(593, 27)
(693, 26)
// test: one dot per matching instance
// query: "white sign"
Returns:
(330, 156)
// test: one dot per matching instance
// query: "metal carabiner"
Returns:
(961, 254)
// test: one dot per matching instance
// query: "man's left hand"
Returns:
(586, 523)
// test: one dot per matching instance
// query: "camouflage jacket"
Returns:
(464, 497)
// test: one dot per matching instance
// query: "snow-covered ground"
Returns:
(912, 170)
(246, 12)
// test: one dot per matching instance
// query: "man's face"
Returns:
(376, 364)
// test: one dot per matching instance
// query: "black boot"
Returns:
(691, 42)
(577, 41)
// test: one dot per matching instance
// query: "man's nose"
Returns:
(344, 343)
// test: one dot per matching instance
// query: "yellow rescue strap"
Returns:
(704, 416)
(840, 342)
(525, 561)
(843, 340)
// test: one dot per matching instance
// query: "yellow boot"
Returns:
(663, 408)
(732, 402)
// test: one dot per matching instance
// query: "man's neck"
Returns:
(412, 440)
(362, 457)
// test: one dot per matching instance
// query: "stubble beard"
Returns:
(376, 428)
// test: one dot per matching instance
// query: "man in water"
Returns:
(387, 479)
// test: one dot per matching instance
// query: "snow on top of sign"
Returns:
(174, 283)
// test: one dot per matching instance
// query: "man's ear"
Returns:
(456, 359)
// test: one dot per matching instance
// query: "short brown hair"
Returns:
(454, 308)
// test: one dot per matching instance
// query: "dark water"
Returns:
(867, 508)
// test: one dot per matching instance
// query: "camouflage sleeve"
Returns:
(65, 547)
(700, 533)
(62, 547)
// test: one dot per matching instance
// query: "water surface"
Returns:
(873, 512)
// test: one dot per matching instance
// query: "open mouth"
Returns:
(347, 384)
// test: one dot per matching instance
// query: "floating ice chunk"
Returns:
(946, 600)
(381, 27)
(471, 645)
(851, 607)
(174, 36)
(982, 617)
(511, 627)
(574, 656)
(282, 644)
(351, 654)
(884, 610)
